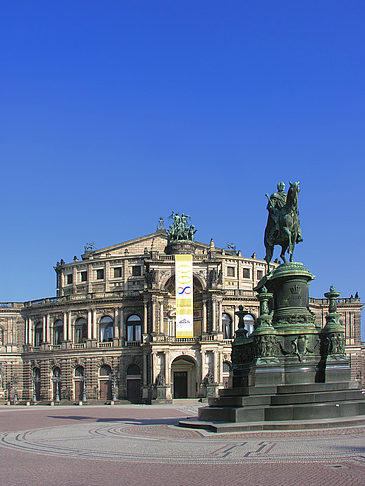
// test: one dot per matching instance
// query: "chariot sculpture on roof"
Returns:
(180, 228)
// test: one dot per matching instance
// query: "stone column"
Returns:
(154, 366)
(215, 366)
(235, 319)
(161, 318)
(31, 331)
(116, 323)
(154, 317)
(69, 327)
(121, 323)
(220, 316)
(214, 317)
(107, 276)
(44, 329)
(65, 335)
(145, 317)
(26, 337)
(89, 325)
(95, 332)
(48, 329)
(204, 323)
(168, 368)
(219, 365)
(145, 368)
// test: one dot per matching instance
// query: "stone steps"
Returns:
(285, 402)
(224, 427)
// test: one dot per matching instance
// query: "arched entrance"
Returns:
(183, 377)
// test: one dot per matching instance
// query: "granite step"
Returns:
(316, 387)
(315, 410)
(317, 397)
(240, 401)
(242, 414)
(247, 391)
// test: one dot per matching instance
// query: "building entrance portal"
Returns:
(183, 375)
(180, 384)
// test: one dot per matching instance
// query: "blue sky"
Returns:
(116, 113)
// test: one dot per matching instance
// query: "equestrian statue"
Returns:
(283, 226)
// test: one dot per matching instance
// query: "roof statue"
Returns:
(180, 229)
(89, 246)
(283, 226)
(161, 224)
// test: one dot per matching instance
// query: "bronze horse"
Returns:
(283, 226)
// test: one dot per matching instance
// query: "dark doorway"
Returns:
(134, 391)
(180, 384)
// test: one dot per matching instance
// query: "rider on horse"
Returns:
(283, 226)
(276, 202)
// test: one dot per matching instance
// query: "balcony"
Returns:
(106, 344)
(133, 344)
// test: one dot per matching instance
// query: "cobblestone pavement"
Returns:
(132, 445)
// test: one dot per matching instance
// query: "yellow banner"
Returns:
(184, 296)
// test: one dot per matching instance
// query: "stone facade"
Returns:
(109, 334)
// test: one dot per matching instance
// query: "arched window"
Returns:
(38, 334)
(105, 370)
(249, 322)
(58, 332)
(227, 326)
(79, 372)
(80, 330)
(133, 369)
(106, 329)
(134, 328)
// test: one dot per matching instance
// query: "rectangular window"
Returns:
(117, 272)
(230, 271)
(260, 274)
(83, 276)
(100, 274)
(137, 333)
(246, 273)
(70, 279)
(136, 271)
(130, 333)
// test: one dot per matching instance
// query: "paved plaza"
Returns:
(132, 445)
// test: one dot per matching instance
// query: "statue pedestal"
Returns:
(180, 247)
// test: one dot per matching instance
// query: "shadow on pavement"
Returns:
(169, 421)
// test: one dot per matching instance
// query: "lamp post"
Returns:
(14, 380)
(83, 380)
(113, 379)
(57, 381)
